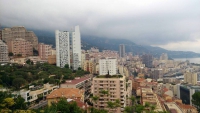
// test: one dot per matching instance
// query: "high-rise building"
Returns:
(190, 78)
(76, 48)
(3, 52)
(68, 48)
(9, 34)
(121, 50)
(44, 51)
(107, 65)
(20, 46)
(164, 56)
(147, 59)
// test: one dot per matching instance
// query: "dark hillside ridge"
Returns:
(48, 37)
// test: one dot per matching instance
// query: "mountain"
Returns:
(103, 43)
(113, 44)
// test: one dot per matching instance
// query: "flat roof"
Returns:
(77, 80)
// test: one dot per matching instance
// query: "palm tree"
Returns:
(110, 105)
(95, 99)
(104, 92)
(113, 105)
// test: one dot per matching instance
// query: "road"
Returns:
(39, 105)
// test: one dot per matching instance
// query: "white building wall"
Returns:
(62, 48)
(76, 48)
(108, 64)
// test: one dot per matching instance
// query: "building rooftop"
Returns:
(184, 106)
(77, 80)
(173, 108)
(109, 76)
(66, 92)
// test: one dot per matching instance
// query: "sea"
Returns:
(192, 60)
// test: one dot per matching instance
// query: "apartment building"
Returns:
(107, 65)
(35, 92)
(89, 66)
(83, 83)
(68, 48)
(52, 59)
(172, 107)
(3, 52)
(185, 92)
(82, 59)
(122, 50)
(35, 59)
(148, 96)
(164, 56)
(116, 87)
(190, 78)
(20, 46)
(9, 34)
(147, 59)
(0, 34)
(44, 51)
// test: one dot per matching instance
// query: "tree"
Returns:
(18, 82)
(19, 103)
(95, 99)
(63, 107)
(139, 108)
(196, 100)
(113, 105)
(67, 66)
(28, 61)
(19, 55)
(10, 54)
(128, 109)
(104, 92)
(7, 103)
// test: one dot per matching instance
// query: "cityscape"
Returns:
(74, 74)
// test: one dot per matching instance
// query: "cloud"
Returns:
(184, 45)
(151, 22)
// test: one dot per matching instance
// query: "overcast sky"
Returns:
(171, 24)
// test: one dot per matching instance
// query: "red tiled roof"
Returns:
(78, 80)
(165, 89)
(66, 92)
(184, 106)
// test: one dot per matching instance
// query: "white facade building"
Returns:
(68, 48)
(76, 48)
(107, 65)
(62, 48)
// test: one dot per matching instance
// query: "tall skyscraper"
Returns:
(68, 48)
(121, 50)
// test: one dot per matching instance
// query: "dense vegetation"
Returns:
(196, 100)
(10, 103)
(16, 76)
